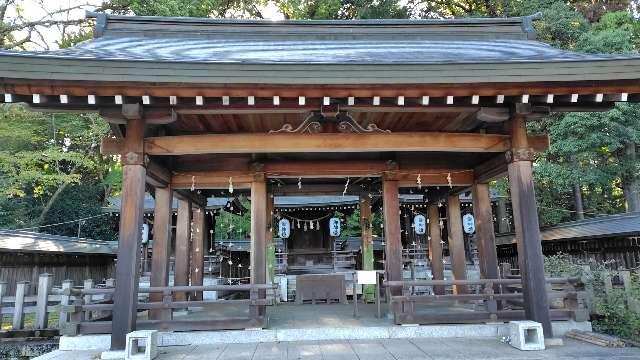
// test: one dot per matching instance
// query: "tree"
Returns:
(341, 9)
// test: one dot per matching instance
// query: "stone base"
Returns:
(103, 342)
(553, 342)
(112, 355)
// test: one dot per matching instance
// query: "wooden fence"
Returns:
(88, 308)
(33, 312)
(495, 295)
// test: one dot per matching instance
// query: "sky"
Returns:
(33, 10)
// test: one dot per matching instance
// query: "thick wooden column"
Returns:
(199, 234)
(393, 248)
(485, 236)
(258, 236)
(161, 248)
(456, 242)
(367, 242)
(435, 248)
(183, 239)
(525, 218)
(131, 218)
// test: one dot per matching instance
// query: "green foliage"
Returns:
(43, 153)
(561, 26)
(611, 312)
(195, 8)
(342, 9)
(234, 227)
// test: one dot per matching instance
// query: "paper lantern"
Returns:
(468, 224)
(334, 226)
(420, 224)
(284, 228)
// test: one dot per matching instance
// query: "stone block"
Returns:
(526, 335)
(141, 345)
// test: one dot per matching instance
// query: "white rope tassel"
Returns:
(299, 183)
(193, 183)
(345, 187)
(230, 185)
(419, 181)
(449, 180)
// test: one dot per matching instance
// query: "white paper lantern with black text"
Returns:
(334, 226)
(420, 224)
(284, 228)
(468, 224)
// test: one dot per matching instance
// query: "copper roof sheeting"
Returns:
(600, 227)
(24, 241)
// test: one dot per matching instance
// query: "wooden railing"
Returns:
(492, 301)
(82, 322)
(48, 301)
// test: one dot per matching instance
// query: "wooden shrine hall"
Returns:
(371, 107)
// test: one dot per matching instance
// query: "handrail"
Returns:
(170, 289)
(398, 283)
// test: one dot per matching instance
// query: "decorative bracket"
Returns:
(314, 123)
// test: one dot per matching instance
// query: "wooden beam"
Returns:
(162, 223)
(456, 242)
(324, 143)
(435, 248)
(393, 245)
(103, 88)
(527, 228)
(219, 179)
(157, 175)
(131, 218)
(183, 236)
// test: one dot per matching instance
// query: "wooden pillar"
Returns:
(269, 244)
(501, 216)
(367, 242)
(456, 242)
(199, 233)
(131, 217)
(435, 248)
(393, 248)
(183, 239)
(258, 236)
(161, 250)
(525, 218)
(485, 236)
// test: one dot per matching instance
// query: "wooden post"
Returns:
(270, 245)
(456, 242)
(485, 236)
(183, 237)
(18, 306)
(197, 250)
(258, 235)
(435, 248)
(63, 320)
(44, 287)
(161, 252)
(3, 293)
(501, 216)
(367, 243)
(88, 299)
(393, 248)
(125, 297)
(525, 216)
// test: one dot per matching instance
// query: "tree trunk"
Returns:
(50, 203)
(577, 199)
(630, 182)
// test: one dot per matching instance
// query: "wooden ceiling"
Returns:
(265, 122)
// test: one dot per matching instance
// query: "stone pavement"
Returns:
(383, 349)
